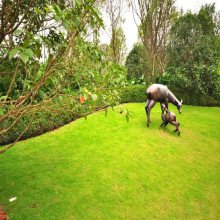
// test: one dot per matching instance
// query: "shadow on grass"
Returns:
(170, 130)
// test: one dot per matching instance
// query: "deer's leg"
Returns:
(148, 109)
(177, 129)
(161, 107)
(166, 123)
(163, 120)
(162, 124)
(147, 103)
(166, 103)
(176, 124)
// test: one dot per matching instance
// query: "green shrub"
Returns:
(54, 116)
(37, 123)
(208, 101)
(195, 99)
(135, 93)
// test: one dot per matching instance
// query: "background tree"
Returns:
(136, 63)
(155, 17)
(117, 48)
(193, 52)
(217, 29)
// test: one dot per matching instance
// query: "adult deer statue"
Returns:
(160, 93)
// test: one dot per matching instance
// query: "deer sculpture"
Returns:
(169, 117)
(160, 93)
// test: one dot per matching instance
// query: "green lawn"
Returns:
(106, 168)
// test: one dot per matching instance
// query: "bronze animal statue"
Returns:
(169, 117)
(160, 93)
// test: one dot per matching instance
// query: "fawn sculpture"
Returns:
(169, 117)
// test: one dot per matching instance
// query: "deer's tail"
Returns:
(149, 95)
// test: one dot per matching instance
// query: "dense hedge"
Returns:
(42, 121)
(134, 93)
(195, 99)
(137, 93)
(38, 123)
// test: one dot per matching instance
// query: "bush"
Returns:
(194, 99)
(135, 93)
(37, 123)
(46, 120)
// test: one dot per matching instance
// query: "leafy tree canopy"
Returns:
(136, 63)
(193, 52)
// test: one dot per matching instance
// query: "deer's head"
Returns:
(179, 106)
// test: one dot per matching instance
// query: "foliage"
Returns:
(93, 75)
(50, 117)
(133, 93)
(136, 63)
(70, 66)
(117, 47)
(193, 53)
(93, 83)
(6, 74)
(38, 123)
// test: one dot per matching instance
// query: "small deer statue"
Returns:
(169, 117)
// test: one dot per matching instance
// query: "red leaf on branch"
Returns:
(82, 99)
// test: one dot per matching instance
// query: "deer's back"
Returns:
(157, 92)
(172, 117)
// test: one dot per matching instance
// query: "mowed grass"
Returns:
(106, 168)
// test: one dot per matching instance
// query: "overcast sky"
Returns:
(130, 28)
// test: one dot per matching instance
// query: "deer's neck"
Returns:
(172, 98)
